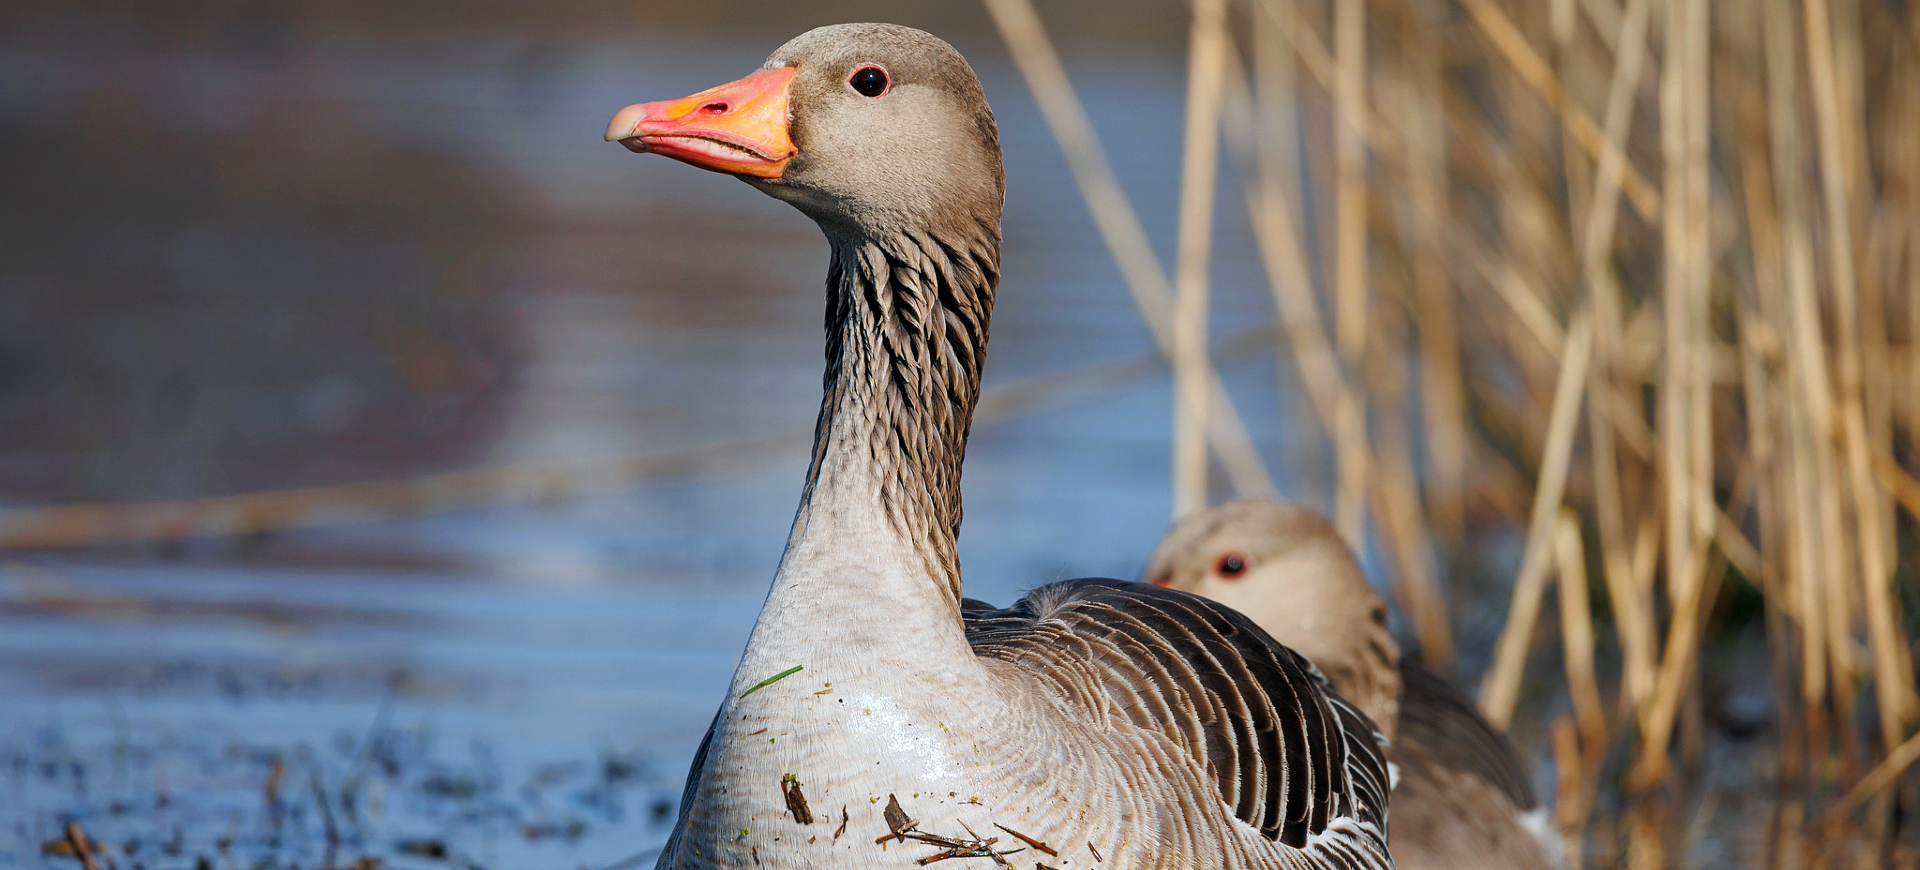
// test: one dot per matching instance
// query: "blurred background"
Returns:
(390, 468)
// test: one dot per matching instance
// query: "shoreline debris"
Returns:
(796, 801)
(1028, 840)
(82, 847)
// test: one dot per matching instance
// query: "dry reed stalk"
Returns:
(1788, 843)
(1673, 684)
(1881, 777)
(1629, 581)
(1761, 351)
(1683, 112)
(1893, 670)
(1904, 487)
(1538, 75)
(1604, 293)
(1646, 834)
(1905, 199)
(1570, 788)
(1681, 295)
(1633, 611)
(1740, 351)
(1805, 366)
(1393, 491)
(1262, 117)
(1576, 630)
(1443, 392)
(1267, 163)
(1199, 162)
(1313, 53)
(1317, 59)
(1350, 283)
(1526, 301)
(1277, 234)
(1268, 150)
(1581, 751)
(1500, 691)
(1838, 141)
(1843, 289)
(1119, 226)
(1397, 497)
(1877, 229)
(1395, 494)
(1605, 18)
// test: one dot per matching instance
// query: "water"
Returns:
(299, 249)
(135, 683)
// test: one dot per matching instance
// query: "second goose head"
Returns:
(870, 129)
(1289, 570)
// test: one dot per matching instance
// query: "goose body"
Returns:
(1121, 726)
(1462, 798)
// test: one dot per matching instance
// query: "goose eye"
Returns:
(870, 81)
(1231, 566)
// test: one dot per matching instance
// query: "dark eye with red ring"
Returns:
(870, 81)
(1231, 566)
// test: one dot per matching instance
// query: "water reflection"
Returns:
(263, 246)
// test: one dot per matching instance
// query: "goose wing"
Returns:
(669, 853)
(1287, 755)
(1435, 714)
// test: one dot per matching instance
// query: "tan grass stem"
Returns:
(1894, 678)
(533, 482)
(1576, 630)
(1350, 282)
(1500, 691)
(1119, 226)
(1198, 170)
(1538, 75)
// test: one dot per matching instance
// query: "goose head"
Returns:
(871, 129)
(1289, 570)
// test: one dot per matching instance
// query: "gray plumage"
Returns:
(1128, 727)
(1462, 798)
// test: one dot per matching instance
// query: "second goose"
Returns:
(1462, 799)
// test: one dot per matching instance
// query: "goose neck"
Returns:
(907, 322)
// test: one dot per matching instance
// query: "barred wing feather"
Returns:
(1287, 755)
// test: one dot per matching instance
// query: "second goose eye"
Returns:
(1231, 566)
(870, 81)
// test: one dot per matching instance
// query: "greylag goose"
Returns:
(878, 718)
(1462, 798)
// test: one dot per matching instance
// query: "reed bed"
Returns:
(1636, 283)
(1632, 284)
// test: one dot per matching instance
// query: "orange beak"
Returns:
(739, 127)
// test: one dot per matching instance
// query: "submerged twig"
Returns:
(326, 810)
(82, 847)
